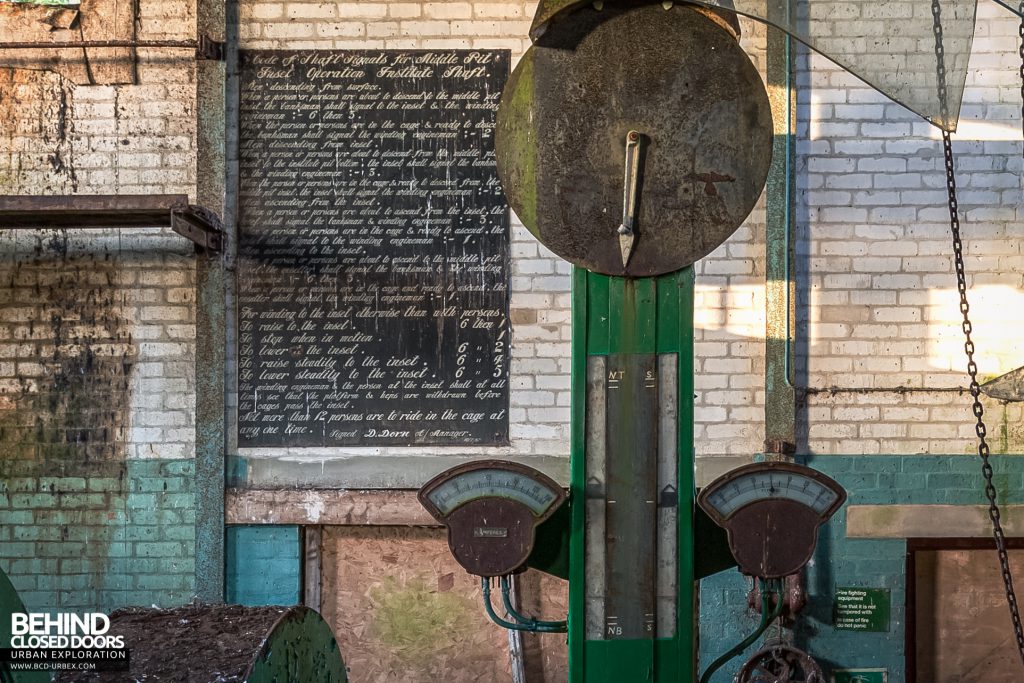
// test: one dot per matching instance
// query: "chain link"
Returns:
(1020, 31)
(965, 309)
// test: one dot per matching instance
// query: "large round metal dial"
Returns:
(698, 160)
(771, 512)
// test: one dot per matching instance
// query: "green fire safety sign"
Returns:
(861, 609)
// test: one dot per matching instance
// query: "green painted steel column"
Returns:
(617, 318)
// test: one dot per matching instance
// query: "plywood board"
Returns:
(403, 610)
(963, 629)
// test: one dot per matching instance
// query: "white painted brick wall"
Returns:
(876, 255)
(873, 253)
(112, 139)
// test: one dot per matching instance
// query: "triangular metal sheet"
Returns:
(1008, 387)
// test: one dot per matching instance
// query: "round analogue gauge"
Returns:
(771, 512)
(760, 483)
(493, 482)
(491, 509)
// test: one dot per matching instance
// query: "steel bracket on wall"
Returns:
(200, 225)
(195, 223)
(207, 48)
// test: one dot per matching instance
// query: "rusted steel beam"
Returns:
(205, 48)
(195, 223)
(89, 211)
(199, 225)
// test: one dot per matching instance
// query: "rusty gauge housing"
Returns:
(491, 509)
(771, 512)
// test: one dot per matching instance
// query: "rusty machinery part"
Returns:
(794, 596)
(771, 512)
(547, 29)
(685, 86)
(780, 663)
(200, 225)
(491, 509)
(972, 367)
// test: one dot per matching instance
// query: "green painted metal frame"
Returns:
(10, 603)
(618, 315)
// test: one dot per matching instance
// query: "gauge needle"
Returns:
(627, 237)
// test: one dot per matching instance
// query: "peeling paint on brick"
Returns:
(36, 133)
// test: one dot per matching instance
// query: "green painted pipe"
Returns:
(555, 626)
(766, 621)
(485, 585)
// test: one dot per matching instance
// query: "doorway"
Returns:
(958, 623)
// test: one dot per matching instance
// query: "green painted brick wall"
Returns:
(108, 535)
(264, 565)
(839, 561)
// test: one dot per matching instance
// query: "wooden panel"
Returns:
(929, 521)
(547, 655)
(403, 610)
(962, 623)
(325, 506)
(312, 540)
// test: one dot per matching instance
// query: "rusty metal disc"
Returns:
(552, 15)
(684, 84)
(780, 663)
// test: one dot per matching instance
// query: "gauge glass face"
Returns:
(765, 485)
(492, 483)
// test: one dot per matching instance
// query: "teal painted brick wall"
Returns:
(97, 427)
(264, 565)
(839, 561)
(108, 535)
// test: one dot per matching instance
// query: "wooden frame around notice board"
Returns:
(914, 545)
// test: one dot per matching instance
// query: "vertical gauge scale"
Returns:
(772, 512)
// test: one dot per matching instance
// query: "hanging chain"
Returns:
(972, 366)
(1020, 31)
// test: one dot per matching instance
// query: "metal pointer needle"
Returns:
(629, 194)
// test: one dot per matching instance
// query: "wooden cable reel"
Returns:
(668, 96)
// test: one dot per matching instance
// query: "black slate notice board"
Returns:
(373, 249)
